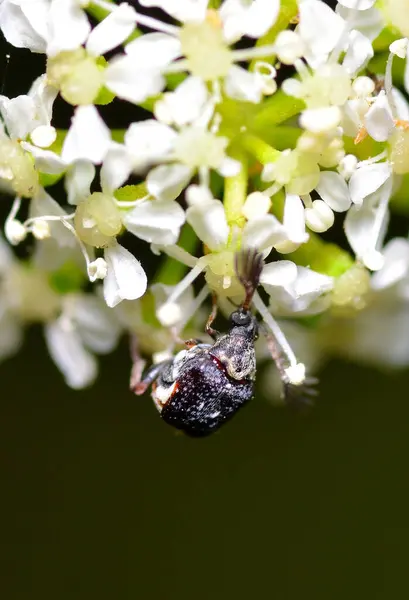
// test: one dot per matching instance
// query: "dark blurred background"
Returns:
(100, 499)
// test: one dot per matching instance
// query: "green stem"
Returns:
(171, 271)
(235, 193)
(275, 110)
(258, 148)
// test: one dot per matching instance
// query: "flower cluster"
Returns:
(271, 122)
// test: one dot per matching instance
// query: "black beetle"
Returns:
(204, 385)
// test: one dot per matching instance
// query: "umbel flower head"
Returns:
(261, 124)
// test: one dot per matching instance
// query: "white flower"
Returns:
(88, 139)
(204, 40)
(84, 327)
(31, 114)
(44, 26)
(125, 278)
(294, 289)
(334, 191)
(367, 179)
(190, 148)
(365, 225)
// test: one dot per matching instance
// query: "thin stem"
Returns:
(275, 329)
(14, 209)
(141, 19)
(388, 85)
(189, 279)
(235, 193)
(256, 52)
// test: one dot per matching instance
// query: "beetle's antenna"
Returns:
(248, 266)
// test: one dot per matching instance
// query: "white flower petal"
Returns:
(294, 219)
(21, 31)
(359, 227)
(378, 119)
(11, 337)
(241, 84)
(396, 265)
(112, 31)
(88, 137)
(379, 336)
(78, 181)
(126, 279)
(279, 273)
(369, 22)
(168, 181)
(401, 104)
(130, 83)
(321, 120)
(182, 10)
(185, 104)
(359, 52)
(46, 161)
(367, 179)
(334, 191)
(19, 115)
(97, 324)
(68, 26)
(320, 27)
(209, 223)
(154, 50)
(263, 232)
(155, 221)
(148, 142)
(43, 96)
(116, 168)
(251, 19)
(44, 205)
(357, 4)
(229, 167)
(78, 366)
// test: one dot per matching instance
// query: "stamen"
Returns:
(169, 312)
(194, 307)
(176, 252)
(275, 329)
(256, 52)
(14, 231)
(388, 85)
(373, 159)
(141, 19)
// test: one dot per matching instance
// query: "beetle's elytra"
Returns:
(204, 385)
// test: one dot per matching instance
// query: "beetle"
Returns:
(204, 385)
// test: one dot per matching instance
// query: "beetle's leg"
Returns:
(209, 330)
(296, 395)
(138, 383)
(192, 342)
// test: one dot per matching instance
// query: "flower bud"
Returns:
(319, 217)
(97, 220)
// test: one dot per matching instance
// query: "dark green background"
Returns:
(101, 499)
